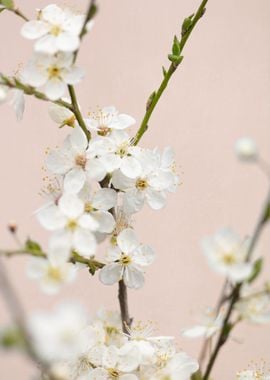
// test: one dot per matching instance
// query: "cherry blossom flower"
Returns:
(226, 254)
(72, 226)
(107, 119)
(126, 261)
(209, 326)
(53, 73)
(62, 115)
(55, 30)
(255, 309)
(116, 152)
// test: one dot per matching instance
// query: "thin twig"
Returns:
(227, 327)
(156, 95)
(19, 13)
(123, 302)
(77, 112)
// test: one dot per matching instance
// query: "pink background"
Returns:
(221, 92)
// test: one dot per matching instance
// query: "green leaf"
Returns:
(32, 246)
(9, 4)
(257, 268)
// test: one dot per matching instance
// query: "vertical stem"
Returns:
(77, 112)
(226, 328)
(123, 302)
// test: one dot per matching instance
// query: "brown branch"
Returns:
(123, 301)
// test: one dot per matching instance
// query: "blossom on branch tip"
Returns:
(246, 149)
(55, 30)
(227, 253)
(209, 326)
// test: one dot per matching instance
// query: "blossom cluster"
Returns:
(77, 348)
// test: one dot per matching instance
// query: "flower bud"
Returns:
(246, 149)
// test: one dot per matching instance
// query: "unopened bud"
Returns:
(246, 149)
(12, 227)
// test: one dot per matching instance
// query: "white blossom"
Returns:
(209, 326)
(149, 186)
(17, 102)
(55, 30)
(226, 254)
(250, 374)
(126, 261)
(255, 309)
(116, 152)
(246, 149)
(107, 119)
(3, 94)
(71, 225)
(52, 74)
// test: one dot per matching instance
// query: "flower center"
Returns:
(80, 160)
(88, 207)
(228, 258)
(122, 150)
(55, 30)
(70, 122)
(54, 274)
(54, 72)
(125, 259)
(103, 130)
(72, 224)
(114, 374)
(141, 184)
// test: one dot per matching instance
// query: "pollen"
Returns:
(55, 30)
(54, 72)
(114, 374)
(228, 258)
(70, 122)
(125, 259)
(54, 274)
(122, 150)
(103, 130)
(88, 207)
(141, 184)
(80, 160)
(72, 224)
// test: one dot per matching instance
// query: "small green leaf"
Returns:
(164, 71)
(9, 4)
(32, 246)
(257, 268)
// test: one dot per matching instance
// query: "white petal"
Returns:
(46, 44)
(55, 89)
(34, 29)
(53, 14)
(129, 358)
(110, 274)
(127, 241)
(71, 206)
(130, 167)
(74, 180)
(111, 162)
(105, 220)
(113, 254)
(155, 199)
(240, 272)
(18, 103)
(36, 267)
(104, 199)
(95, 169)
(67, 42)
(84, 242)
(122, 121)
(88, 222)
(78, 139)
(195, 332)
(59, 114)
(121, 182)
(74, 75)
(59, 250)
(144, 255)
(57, 162)
(133, 277)
(133, 201)
(51, 218)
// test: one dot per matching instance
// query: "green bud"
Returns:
(9, 4)
(150, 100)
(176, 47)
(187, 23)
(175, 59)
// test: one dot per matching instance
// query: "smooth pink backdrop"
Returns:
(221, 92)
